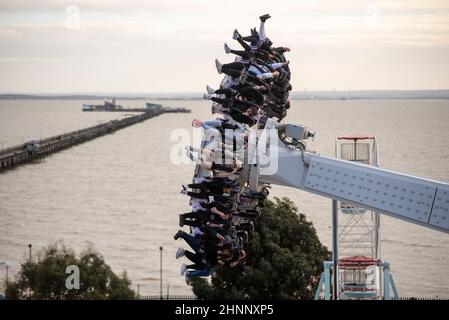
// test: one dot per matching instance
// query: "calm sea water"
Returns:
(120, 193)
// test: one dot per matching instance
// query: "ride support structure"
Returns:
(361, 191)
(357, 270)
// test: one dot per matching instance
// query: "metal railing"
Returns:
(165, 297)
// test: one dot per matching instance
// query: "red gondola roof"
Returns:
(355, 137)
(357, 261)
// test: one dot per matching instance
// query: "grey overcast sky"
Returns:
(170, 45)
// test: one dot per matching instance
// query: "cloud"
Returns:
(137, 39)
(32, 59)
(8, 33)
(305, 7)
(153, 6)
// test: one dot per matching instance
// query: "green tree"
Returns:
(46, 277)
(284, 260)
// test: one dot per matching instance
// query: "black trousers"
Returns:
(224, 102)
(251, 94)
(244, 54)
(244, 44)
(233, 69)
(227, 92)
(221, 167)
(198, 195)
(207, 187)
(197, 260)
(238, 116)
(234, 103)
(196, 219)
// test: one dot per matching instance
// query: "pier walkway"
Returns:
(37, 149)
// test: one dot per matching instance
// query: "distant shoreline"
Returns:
(295, 95)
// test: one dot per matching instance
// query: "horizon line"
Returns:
(109, 93)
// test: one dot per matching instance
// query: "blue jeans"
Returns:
(199, 273)
(193, 242)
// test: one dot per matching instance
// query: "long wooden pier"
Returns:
(37, 149)
(166, 110)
